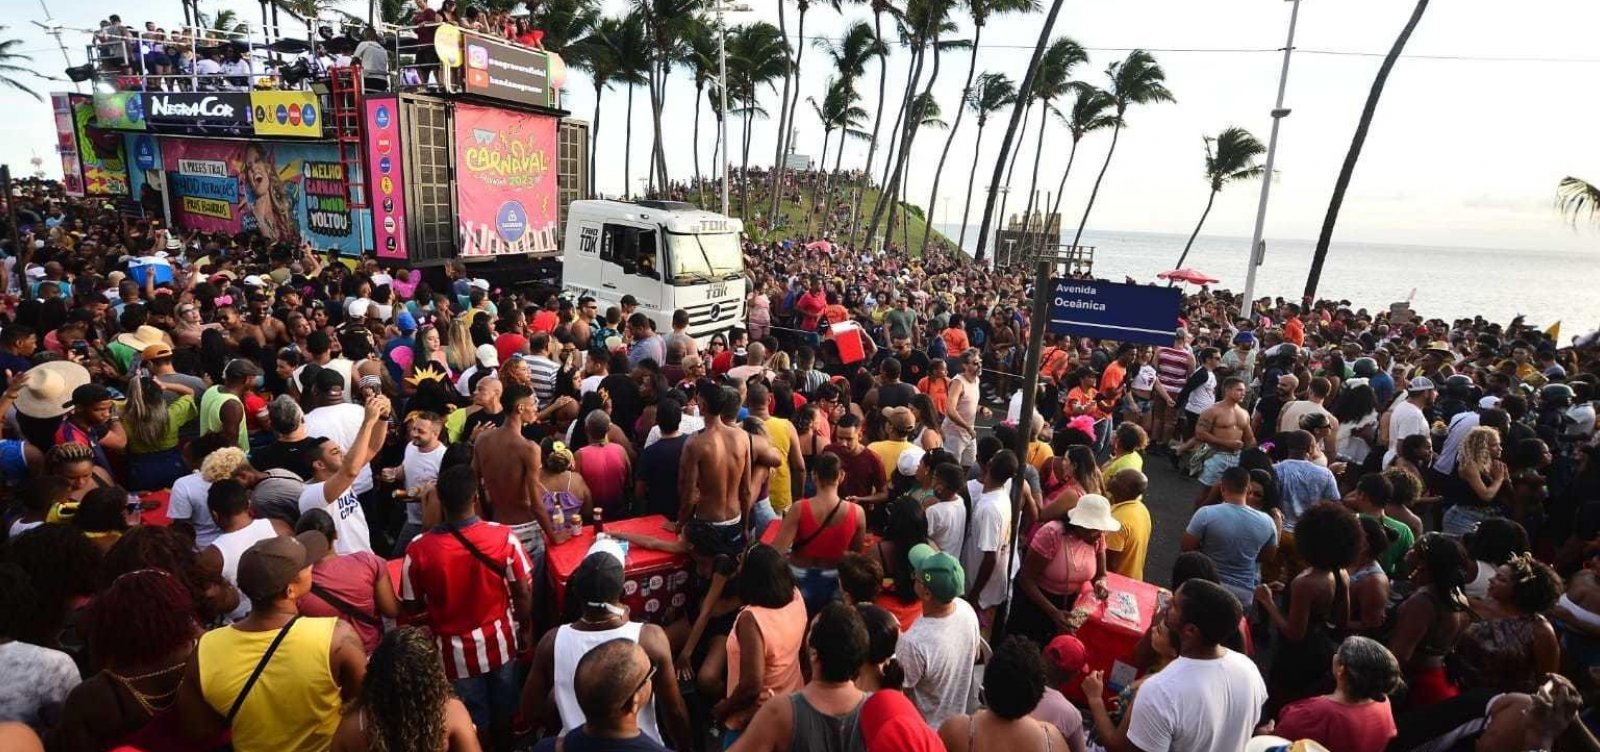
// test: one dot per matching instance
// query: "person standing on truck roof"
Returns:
(646, 343)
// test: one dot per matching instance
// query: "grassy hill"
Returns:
(794, 224)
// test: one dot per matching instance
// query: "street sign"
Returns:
(1108, 310)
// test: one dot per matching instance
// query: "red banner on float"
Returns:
(506, 198)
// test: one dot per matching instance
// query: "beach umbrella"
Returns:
(820, 245)
(1189, 275)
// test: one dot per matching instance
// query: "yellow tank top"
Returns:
(778, 432)
(295, 704)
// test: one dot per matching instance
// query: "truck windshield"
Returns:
(704, 258)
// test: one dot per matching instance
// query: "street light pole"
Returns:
(722, 87)
(1257, 252)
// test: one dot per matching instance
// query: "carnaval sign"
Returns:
(506, 182)
(287, 192)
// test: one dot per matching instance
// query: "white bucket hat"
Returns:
(1093, 512)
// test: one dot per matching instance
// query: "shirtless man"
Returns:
(268, 330)
(1225, 428)
(234, 327)
(714, 478)
(508, 467)
(959, 432)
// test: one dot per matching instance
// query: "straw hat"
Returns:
(49, 388)
(143, 337)
(1093, 512)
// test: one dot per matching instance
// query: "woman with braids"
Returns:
(141, 631)
(153, 424)
(149, 547)
(1431, 621)
(74, 463)
(406, 704)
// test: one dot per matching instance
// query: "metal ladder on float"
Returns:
(346, 113)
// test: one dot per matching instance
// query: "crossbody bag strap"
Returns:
(476, 553)
(260, 667)
(345, 607)
(820, 528)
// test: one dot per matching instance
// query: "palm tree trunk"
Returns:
(1115, 132)
(627, 150)
(972, 179)
(699, 89)
(1072, 154)
(838, 161)
(811, 206)
(744, 170)
(961, 110)
(903, 127)
(791, 106)
(1186, 246)
(1348, 170)
(658, 172)
(776, 176)
(1038, 154)
(872, 142)
(1016, 117)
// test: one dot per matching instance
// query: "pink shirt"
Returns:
(1347, 728)
(1072, 560)
(352, 579)
(605, 468)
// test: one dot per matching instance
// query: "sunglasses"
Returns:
(648, 675)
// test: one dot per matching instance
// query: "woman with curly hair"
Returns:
(1478, 480)
(150, 547)
(1317, 602)
(406, 704)
(266, 198)
(141, 632)
(1515, 644)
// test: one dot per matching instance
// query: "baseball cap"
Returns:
(1489, 402)
(156, 352)
(1067, 653)
(267, 567)
(487, 357)
(910, 460)
(901, 417)
(938, 571)
(357, 307)
(89, 394)
(1420, 384)
(406, 322)
(598, 580)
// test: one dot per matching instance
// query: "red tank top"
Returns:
(829, 543)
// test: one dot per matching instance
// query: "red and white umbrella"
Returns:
(1186, 274)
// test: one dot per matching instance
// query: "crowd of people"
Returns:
(286, 501)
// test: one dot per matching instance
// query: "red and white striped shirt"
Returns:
(1172, 368)
(469, 605)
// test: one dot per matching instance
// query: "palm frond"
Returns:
(1578, 199)
(1231, 156)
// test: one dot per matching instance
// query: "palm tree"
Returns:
(600, 58)
(879, 8)
(308, 11)
(1230, 158)
(1138, 79)
(925, 22)
(668, 22)
(992, 93)
(11, 59)
(755, 59)
(1011, 128)
(565, 23)
(223, 24)
(1052, 81)
(924, 113)
(631, 46)
(1086, 115)
(980, 10)
(1354, 154)
(859, 46)
(1576, 198)
(790, 104)
(700, 56)
(840, 112)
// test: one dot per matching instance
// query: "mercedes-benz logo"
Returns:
(716, 311)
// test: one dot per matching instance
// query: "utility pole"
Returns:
(1042, 291)
(1257, 250)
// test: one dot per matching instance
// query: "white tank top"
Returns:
(967, 406)
(571, 646)
(232, 546)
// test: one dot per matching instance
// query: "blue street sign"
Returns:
(1108, 310)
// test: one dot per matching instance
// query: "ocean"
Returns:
(1448, 283)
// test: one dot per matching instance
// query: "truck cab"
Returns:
(666, 254)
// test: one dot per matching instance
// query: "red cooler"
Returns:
(655, 584)
(1114, 628)
(852, 349)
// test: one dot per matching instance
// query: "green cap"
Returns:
(938, 571)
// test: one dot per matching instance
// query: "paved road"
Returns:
(1171, 501)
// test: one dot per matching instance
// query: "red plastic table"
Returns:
(655, 584)
(1109, 636)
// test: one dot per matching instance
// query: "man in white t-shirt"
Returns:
(419, 468)
(939, 650)
(336, 419)
(986, 551)
(333, 487)
(1407, 417)
(1210, 697)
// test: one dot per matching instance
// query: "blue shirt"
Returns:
(1233, 536)
(652, 347)
(1302, 483)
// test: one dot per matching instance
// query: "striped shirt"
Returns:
(543, 371)
(468, 605)
(1173, 365)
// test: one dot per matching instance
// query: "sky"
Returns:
(1477, 125)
